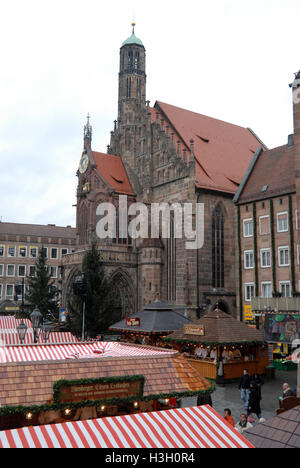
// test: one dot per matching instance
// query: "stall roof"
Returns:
(196, 427)
(156, 317)
(94, 350)
(219, 328)
(283, 431)
(166, 373)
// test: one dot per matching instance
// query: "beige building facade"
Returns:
(19, 250)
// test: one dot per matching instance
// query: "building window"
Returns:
(218, 248)
(171, 261)
(33, 252)
(249, 291)
(248, 227)
(248, 259)
(282, 222)
(31, 270)
(45, 251)
(9, 291)
(283, 256)
(11, 251)
(54, 253)
(64, 252)
(2, 250)
(10, 270)
(285, 288)
(22, 271)
(53, 272)
(1, 270)
(137, 60)
(22, 252)
(130, 59)
(264, 225)
(266, 289)
(265, 258)
(297, 219)
(1, 290)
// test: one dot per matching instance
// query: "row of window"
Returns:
(31, 252)
(267, 291)
(264, 224)
(10, 292)
(265, 258)
(11, 270)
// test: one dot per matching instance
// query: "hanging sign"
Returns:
(132, 322)
(248, 315)
(194, 330)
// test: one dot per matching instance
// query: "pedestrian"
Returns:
(254, 401)
(204, 399)
(228, 417)
(243, 423)
(287, 391)
(258, 381)
(244, 387)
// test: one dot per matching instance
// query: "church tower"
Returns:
(127, 138)
(132, 79)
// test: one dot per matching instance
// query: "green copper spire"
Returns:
(133, 39)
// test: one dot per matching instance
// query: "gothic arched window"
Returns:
(218, 248)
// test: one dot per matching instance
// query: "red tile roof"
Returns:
(31, 383)
(273, 168)
(223, 151)
(112, 169)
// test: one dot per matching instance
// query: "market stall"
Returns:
(58, 383)
(149, 326)
(196, 427)
(221, 347)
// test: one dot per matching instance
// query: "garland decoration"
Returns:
(275, 291)
(255, 249)
(291, 230)
(240, 263)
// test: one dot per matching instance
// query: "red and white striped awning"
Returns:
(9, 334)
(197, 427)
(92, 350)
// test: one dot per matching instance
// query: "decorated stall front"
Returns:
(221, 347)
(149, 326)
(282, 333)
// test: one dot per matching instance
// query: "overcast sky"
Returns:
(229, 59)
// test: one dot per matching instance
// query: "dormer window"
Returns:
(130, 59)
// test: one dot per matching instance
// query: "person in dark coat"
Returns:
(204, 399)
(258, 381)
(254, 401)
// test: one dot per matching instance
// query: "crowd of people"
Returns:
(251, 395)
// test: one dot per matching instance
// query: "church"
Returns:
(162, 154)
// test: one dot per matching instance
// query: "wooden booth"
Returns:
(149, 326)
(221, 347)
(48, 384)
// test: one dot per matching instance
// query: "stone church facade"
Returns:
(163, 154)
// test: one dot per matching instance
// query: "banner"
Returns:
(282, 328)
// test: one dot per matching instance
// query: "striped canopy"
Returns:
(73, 351)
(9, 335)
(197, 427)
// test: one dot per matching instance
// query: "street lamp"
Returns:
(36, 320)
(22, 330)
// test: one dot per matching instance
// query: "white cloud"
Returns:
(228, 59)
